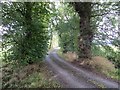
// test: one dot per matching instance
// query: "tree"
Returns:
(25, 26)
(86, 34)
(65, 22)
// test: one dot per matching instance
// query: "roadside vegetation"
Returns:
(30, 76)
(100, 64)
(85, 32)
(103, 54)
(25, 41)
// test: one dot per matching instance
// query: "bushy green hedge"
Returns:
(26, 37)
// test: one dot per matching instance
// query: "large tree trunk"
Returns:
(86, 34)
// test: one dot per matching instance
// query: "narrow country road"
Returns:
(73, 77)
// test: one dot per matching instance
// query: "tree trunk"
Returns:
(86, 34)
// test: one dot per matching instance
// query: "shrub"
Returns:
(102, 64)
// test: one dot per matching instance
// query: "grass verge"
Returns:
(102, 66)
(30, 76)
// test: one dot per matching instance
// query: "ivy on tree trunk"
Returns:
(86, 34)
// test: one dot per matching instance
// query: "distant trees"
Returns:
(65, 22)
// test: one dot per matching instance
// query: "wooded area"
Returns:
(87, 29)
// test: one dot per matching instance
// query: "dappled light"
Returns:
(60, 44)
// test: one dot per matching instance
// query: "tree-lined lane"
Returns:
(75, 77)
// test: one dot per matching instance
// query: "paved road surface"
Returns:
(73, 77)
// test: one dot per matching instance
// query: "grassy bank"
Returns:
(102, 65)
(30, 76)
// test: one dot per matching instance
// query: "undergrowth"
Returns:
(103, 65)
(38, 80)
(30, 76)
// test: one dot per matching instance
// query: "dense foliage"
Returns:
(25, 36)
(106, 32)
(27, 32)
(82, 30)
(104, 24)
(67, 27)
